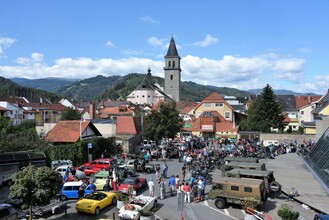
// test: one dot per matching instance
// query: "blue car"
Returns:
(70, 190)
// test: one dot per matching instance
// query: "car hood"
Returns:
(130, 214)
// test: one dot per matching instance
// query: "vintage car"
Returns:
(102, 163)
(149, 167)
(140, 203)
(88, 170)
(137, 183)
(123, 172)
(93, 203)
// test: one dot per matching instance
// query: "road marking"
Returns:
(224, 213)
(206, 203)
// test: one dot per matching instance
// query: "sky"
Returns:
(242, 44)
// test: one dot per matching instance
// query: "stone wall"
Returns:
(282, 137)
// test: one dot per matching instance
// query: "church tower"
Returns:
(172, 72)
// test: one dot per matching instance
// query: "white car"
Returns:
(61, 170)
(139, 203)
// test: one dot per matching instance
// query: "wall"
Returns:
(282, 137)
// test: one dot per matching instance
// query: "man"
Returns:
(162, 185)
(151, 187)
(164, 170)
(171, 184)
(143, 165)
(130, 190)
(136, 164)
(66, 177)
(92, 186)
(164, 154)
(157, 172)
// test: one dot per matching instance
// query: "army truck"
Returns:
(273, 187)
(237, 191)
(242, 165)
(241, 159)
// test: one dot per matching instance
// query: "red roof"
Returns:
(157, 104)
(67, 131)
(126, 125)
(302, 101)
(186, 109)
(3, 109)
(213, 98)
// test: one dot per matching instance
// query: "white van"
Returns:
(267, 143)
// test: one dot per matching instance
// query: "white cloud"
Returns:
(148, 19)
(5, 43)
(230, 71)
(155, 41)
(305, 50)
(35, 58)
(208, 40)
(109, 44)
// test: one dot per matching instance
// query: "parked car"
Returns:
(93, 203)
(136, 206)
(54, 206)
(137, 183)
(8, 212)
(102, 163)
(70, 190)
(149, 167)
(88, 170)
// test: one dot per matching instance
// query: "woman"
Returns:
(107, 184)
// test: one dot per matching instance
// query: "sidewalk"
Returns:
(290, 170)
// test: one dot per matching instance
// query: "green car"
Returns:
(149, 167)
(123, 172)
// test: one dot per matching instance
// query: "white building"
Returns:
(15, 113)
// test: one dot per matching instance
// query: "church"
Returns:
(149, 93)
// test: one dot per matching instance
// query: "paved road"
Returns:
(203, 210)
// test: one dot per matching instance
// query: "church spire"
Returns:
(172, 50)
(149, 76)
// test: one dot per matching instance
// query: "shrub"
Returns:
(286, 213)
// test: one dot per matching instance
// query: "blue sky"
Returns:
(241, 44)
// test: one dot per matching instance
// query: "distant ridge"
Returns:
(281, 92)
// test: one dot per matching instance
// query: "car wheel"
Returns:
(264, 195)
(114, 201)
(97, 210)
(220, 203)
(155, 204)
(275, 186)
(63, 197)
(148, 170)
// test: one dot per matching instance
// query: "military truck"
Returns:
(237, 191)
(272, 186)
(242, 165)
(241, 159)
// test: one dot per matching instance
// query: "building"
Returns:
(172, 72)
(147, 93)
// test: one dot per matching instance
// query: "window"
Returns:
(248, 189)
(137, 96)
(227, 115)
(207, 105)
(234, 188)
(302, 112)
(149, 96)
(67, 188)
(169, 63)
(218, 186)
(219, 105)
(76, 187)
(143, 96)
(173, 64)
(313, 107)
(171, 77)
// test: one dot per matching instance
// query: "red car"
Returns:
(88, 170)
(101, 163)
(137, 183)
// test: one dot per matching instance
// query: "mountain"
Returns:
(9, 89)
(280, 92)
(50, 84)
(119, 87)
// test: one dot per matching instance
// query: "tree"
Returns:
(265, 112)
(35, 186)
(71, 114)
(163, 123)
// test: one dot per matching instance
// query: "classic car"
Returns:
(102, 163)
(137, 183)
(88, 170)
(123, 172)
(95, 202)
(149, 167)
(140, 203)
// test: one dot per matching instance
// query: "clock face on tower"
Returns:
(171, 72)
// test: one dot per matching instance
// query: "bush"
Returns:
(286, 213)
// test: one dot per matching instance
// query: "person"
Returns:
(183, 172)
(179, 189)
(164, 154)
(151, 187)
(189, 162)
(195, 192)
(187, 192)
(130, 191)
(123, 155)
(143, 164)
(136, 164)
(66, 177)
(177, 181)
(147, 157)
(73, 171)
(92, 186)
(157, 172)
(171, 184)
(162, 185)
(164, 170)
(107, 184)
(81, 190)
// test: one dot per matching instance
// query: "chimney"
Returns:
(92, 111)
(309, 98)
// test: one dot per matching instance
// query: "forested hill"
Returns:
(9, 89)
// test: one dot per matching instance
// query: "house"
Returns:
(3, 111)
(128, 133)
(321, 114)
(107, 127)
(72, 131)
(215, 118)
(14, 112)
(290, 111)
